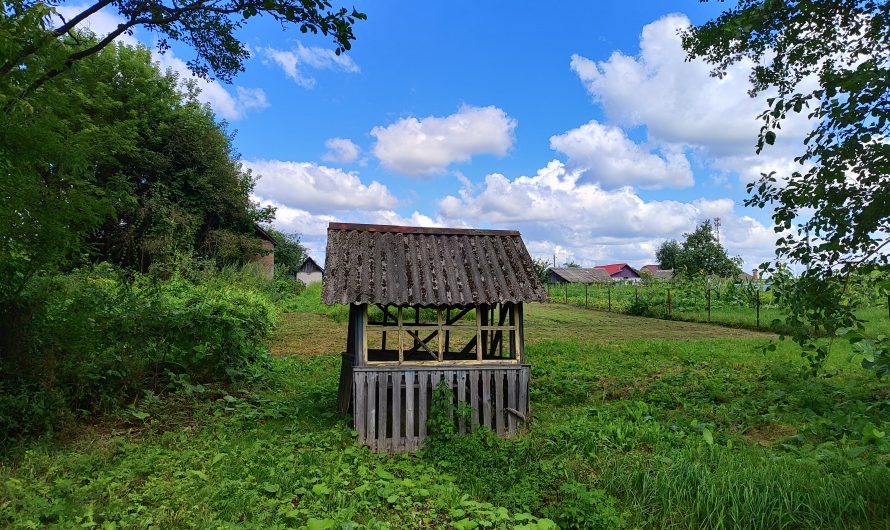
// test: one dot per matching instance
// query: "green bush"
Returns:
(98, 338)
(579, 508)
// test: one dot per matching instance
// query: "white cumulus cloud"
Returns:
(557, 212)
(342, 150)
(427, 146)
(679, 102)
(317, 189)
(606, 155)
(294, 62)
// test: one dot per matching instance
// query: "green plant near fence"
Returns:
(724, 301)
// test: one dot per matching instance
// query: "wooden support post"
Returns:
(383, 340)
(757, 302)
(709, 304)
(566, 291)
(399, 319)
(669, 302)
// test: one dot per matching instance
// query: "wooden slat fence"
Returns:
(391, 406)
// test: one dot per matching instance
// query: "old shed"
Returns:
(430, 305)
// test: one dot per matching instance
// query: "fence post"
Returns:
(669, 301)
(586, 286)
(610, 298)
(757, 301)
(709, 304)
(565, 292)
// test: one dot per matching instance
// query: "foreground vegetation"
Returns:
(637, 422)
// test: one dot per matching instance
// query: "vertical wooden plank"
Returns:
(422, 389)
(410, 437)
(372, 410)
(523, 391)
(479, 333)
(382, 409)
(474, 397)
(360, 386)
(512, 376)
(499, 401)
(520, 343)
(461, 399)
(364, 333)
(401, 344)
(397, 440)
(513, 332)
(486, 398)
(440, 333)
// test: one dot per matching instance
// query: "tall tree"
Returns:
(33, 50)
(289, 252)
(667, 253)
(702, 254)
(829, 60)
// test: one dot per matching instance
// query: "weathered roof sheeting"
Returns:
(579, 275)
(399, 265)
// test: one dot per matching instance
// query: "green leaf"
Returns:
(708, 436)
(770, 137)
(321, 489)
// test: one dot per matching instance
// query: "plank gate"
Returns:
(392, 405)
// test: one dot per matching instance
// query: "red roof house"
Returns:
(620, 271)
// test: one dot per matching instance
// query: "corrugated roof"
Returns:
(615, 268)
(579, 275)
(403, 265)
(659, 274)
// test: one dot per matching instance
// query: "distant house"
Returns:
(265, 260)
(658, 273)
(310, 272)
(578, 275)
(621, 271)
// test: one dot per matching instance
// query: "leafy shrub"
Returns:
(98, 338)
(579, 508)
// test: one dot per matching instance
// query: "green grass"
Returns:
(691, 305)
(637, 423)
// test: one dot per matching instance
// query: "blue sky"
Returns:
(581, 125)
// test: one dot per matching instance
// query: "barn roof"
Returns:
(615, 268)
(405, 265)
(659, 273)
(262, 234)
(579, 275)
(310, 265)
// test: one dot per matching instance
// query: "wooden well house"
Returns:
(429, 305)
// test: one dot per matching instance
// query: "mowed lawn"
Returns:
(636, 423)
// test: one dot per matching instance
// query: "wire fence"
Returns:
(743, 304)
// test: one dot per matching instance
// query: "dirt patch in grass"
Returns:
(769, 433)
(308, 334)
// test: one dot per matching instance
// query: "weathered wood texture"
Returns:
(392, 404)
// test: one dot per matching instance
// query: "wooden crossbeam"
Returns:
(417, 341)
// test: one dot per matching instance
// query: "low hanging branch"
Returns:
(207, 26)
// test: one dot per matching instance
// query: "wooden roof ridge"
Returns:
(423, 266)
(432, 230)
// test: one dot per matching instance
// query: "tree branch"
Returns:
(33, 47)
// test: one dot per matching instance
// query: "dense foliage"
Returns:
(35, 48)
(98, 337)
(828, 60)
(289, 252)
(667, 253)
(120, 195)
(700, 254)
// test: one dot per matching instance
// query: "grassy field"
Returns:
(690, 303)
(637, 423)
